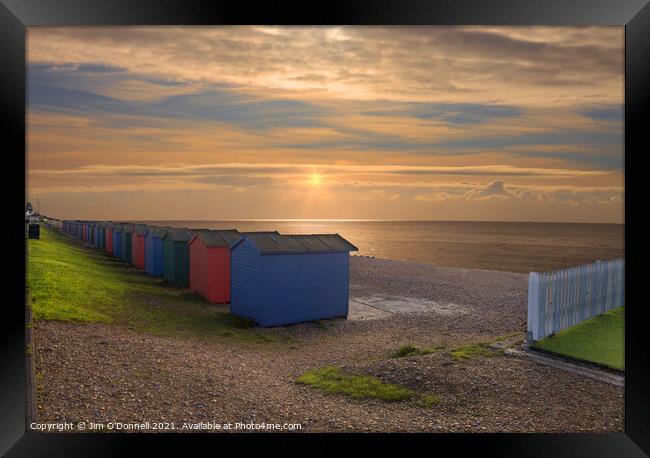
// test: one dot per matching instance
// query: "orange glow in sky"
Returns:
(441, 123)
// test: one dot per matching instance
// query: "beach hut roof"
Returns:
(158, 231)
(141, 229)
(179, 235)
(275, 243)
(218, 237)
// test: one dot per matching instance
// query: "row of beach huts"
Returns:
(274, 279)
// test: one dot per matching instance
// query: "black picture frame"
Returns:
(16, 15)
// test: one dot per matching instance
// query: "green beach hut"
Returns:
(176, 257)
(125, 252)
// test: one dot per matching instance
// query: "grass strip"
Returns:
(598, 340)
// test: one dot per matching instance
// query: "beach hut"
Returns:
(102, 236)
(153, 251)
(117, 240)
(98, 232)
(138, 235)
(282, 279)
(108, 245)
(210, 263)
(95, 235)
(176, 264)
(125, 249)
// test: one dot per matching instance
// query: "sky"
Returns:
(398, 123)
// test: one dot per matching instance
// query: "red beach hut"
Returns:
(210, 263)
(109, 238)
(138, 244)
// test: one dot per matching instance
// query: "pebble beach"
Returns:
(102, 372)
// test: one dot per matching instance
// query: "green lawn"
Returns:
(599, 340)
(70, 282)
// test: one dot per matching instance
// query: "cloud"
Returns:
(380, 194)
(495, 189)
(499, 191)
(434, 197)
(151, 114)
(605, 113)
(553, 66)
(283, 169)
(108, 93)
(454, 113)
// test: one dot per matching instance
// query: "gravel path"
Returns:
(99, 372)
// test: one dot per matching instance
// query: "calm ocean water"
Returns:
(512, 246)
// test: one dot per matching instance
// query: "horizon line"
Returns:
(358, 220)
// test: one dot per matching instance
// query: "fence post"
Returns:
(533, 307)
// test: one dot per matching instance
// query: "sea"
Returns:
(506, 246)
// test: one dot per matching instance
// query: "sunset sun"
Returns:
(315, 179)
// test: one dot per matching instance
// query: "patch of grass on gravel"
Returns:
(70, 282)
(429, 400)
(506, 336)
(412, 350)
(471, 351)
(331, 379)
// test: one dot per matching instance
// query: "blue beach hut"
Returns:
(282, 279)
(153, 250)
(117, 240)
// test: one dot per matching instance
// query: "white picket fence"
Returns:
(560, 299)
